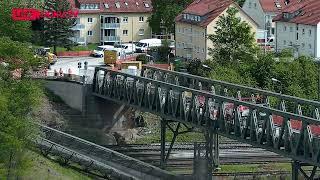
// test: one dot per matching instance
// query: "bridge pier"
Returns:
(297, 169)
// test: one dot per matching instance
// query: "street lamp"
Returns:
(279, 82)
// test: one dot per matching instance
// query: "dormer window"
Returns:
(89, 6)
(125, 3)
(146, 5)
(117, 5)
(106, 5)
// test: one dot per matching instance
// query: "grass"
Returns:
(89, 47)
(45, 169)
(255, 167)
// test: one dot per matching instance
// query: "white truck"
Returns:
(145, 44)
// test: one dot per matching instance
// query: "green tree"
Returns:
(263, 70)
(16, 30)
(17, 100)
(164, 14)
(233, 40)
(57, 31)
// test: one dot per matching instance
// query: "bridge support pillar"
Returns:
(297, 169)
(163, 143)
(216, 151)
(174, 128)
(203, 158)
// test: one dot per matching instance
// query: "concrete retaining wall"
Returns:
(70, 93)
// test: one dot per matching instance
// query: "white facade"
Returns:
(263, 19)
(304, 39)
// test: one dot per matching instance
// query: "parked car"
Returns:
(145, 44)
(99, 52)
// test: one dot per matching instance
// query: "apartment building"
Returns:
(298, 27)
(263, 11)
(197, 21)
(112, 21)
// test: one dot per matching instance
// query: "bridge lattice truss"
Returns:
(282, 124)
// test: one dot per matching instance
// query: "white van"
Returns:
(144, 44)
(127, 47)
(99, 52)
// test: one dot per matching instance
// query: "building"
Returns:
(197, 21)
(298, 27)
(263, 11)
(112, 21)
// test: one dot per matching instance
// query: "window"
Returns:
(125, 32)
(303, 31)
(141, 19)
(290, 43)
(250, 4)
(90, 20)
(303, 45)
(285, 28)
(310, 46)
(146, 5)
(202, 50)
(183, 45)
(89, 6)
(106, 6)
(117, 5)
(291, 29)
(141, 32)
(255, 5)
(203, 35)
(285, 42)
(297, 36)
(90, 33)
(310, 32)
(179, 30)
(272, 30)
(125, 20)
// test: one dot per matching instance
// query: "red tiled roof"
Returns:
(133, 6)
(210, 9)
(309, 15)
(270, 5)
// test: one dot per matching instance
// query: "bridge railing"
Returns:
(243, 93)
(290, 134)
(89, 164)
(103, 155)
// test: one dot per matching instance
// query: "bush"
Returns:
(143, 58)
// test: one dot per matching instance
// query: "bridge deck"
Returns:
(291, 134)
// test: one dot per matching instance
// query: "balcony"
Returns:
(111, 38)
(79, 40)
(78, 27)
(110, 25)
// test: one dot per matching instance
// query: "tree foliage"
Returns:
(233, 40)
(164, 13)
(57, 31)
(16, 30)
(17, 99)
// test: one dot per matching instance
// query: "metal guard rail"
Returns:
(49, 147)
(206, 110)
(104, 155)
(201, 83)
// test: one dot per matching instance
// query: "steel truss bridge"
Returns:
(283, 124)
